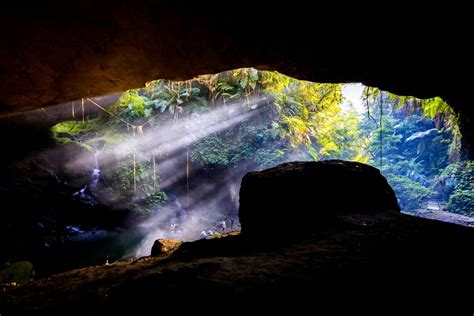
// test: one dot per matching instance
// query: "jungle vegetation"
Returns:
(414, 142)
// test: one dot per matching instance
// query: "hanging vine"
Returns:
(82, 108)
(381, 130)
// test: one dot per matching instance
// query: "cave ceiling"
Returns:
(55, 52)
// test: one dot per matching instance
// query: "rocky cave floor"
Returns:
(383, 263)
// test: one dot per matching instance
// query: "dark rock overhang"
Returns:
(55, 52)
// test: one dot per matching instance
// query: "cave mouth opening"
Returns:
(110, 175)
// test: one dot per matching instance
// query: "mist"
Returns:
(188, 211)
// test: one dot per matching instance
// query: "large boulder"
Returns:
(295, 198)
(165, 246)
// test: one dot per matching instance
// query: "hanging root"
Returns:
(82, 107)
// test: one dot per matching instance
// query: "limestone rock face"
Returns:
(298, 197)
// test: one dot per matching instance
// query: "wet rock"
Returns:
(296, 198)
(164, 246)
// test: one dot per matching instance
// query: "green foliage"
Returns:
(78, 132)
(414, 139)
(71, 127)
(228, 90)
(242, 144)
(338, 135)
(434, 109)
(410, 194)
(386, 138)
(442, 113)
(438, 152)
(168, 96)
(266, 158)
(112, 138)
(132, 104)
(411, 146)
(246, 78)
(69, 131)
(310, 115)
(156, 198)
(446, 181)
(211, 150)
(461, 199)
(123, 174)
(296, 130)
(19, 272)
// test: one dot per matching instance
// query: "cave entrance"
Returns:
(166, 160)
(416, 145)
(266, 118)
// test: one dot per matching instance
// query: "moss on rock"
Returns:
(19, 272)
